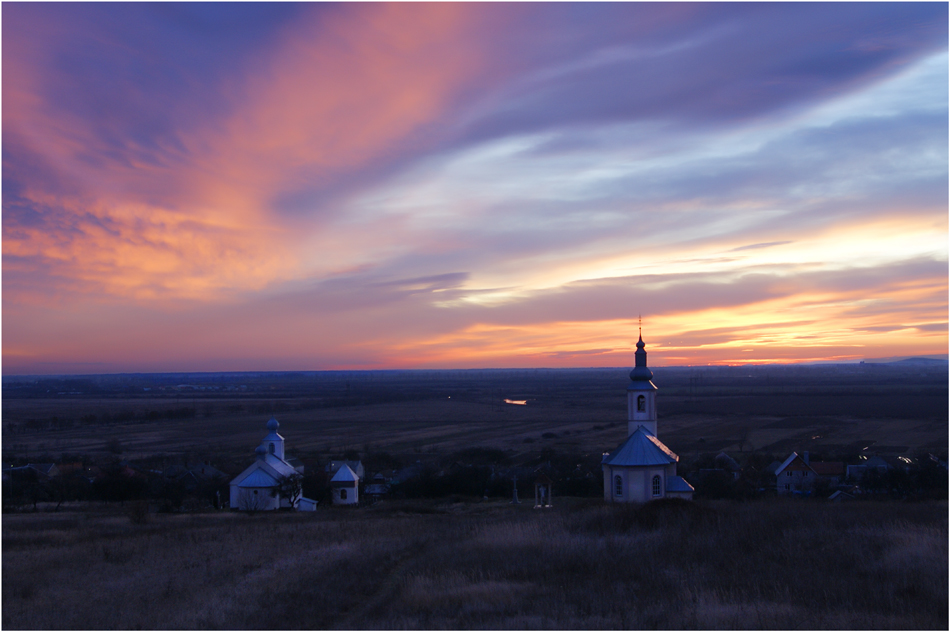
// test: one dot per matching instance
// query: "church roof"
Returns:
(641, 385)
(344, 474)
(280, 466)
(641, 448)
(271, 468)
(258, 478)
(357, 467)
(678, 484)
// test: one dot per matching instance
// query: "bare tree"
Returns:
(291, 488)
(252, 502)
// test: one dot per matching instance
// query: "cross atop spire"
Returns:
(640, 371)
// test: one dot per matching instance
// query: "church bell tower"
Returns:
(641, 394)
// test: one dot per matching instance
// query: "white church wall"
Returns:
(635, 489)
(253, 498)
(346, 495)
(637, 483)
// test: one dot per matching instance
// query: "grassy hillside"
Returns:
(455, 565)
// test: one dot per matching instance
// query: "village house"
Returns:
(871, 464)
(642, 468)
(831, 471)
(264, 484)
(799, 475)
(794, 475)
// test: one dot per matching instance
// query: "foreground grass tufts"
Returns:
(582, 565)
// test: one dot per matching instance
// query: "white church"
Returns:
(257, 488)
(641, 468)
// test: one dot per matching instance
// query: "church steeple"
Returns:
(640, 371)
(641, 394)
(273, 442)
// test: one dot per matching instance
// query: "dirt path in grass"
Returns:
(410, 559)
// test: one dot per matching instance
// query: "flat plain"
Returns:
(899, 408)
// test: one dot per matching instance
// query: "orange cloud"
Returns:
(899, 318)
(843, 326)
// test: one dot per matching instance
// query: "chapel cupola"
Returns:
(641, 394)
(640, 371)
(273, 443)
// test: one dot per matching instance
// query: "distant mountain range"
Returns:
(932, 360)
(195, 381)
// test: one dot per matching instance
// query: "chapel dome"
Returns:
(273, 424)
(641, 374)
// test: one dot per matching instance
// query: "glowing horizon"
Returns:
(233, 187)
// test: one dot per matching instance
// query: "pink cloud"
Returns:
(195, 217)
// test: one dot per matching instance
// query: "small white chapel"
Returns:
(345, 486)
(257, 488)
(642, 468)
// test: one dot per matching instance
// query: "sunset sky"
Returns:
(248, 187)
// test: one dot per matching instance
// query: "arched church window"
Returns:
(618, 485)
(656, 485)
(342, 494)
(641, 404)
(271, 448)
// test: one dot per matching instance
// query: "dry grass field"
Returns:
(399, 427)
(484, 565)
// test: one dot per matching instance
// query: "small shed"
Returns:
(306, 504)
